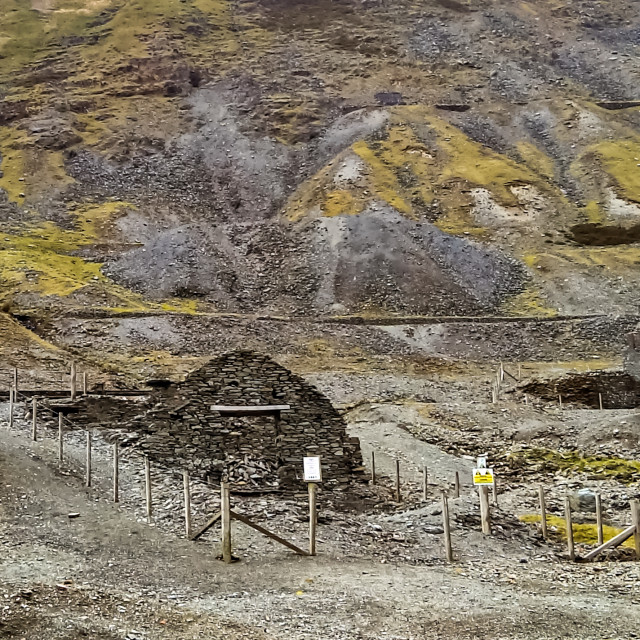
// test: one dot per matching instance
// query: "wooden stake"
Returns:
(446, 525)
(15, 382)
(147, 486)
(600, 401)
(635, 520)
(485, 516)
(543, 512)
(84, 383)
(60, 441)
(313, 518)
(569, 526)
(226, 522)
(425, 484)
(116, 473)
(560, 400)
(456, 486)
(501, 372)
(87, 482)
(187, 503)
(495, 491)
(73, 380)
(373, 467)
(398, 496)
(12, 393)
(34, 419)
(599, 519)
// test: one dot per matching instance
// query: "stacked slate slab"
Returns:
(177, 427)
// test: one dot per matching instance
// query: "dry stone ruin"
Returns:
(240, 416)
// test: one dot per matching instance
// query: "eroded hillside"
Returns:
(334, 158)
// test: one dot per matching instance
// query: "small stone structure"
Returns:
(175, 425)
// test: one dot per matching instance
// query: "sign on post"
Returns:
(483, 477)
(312, 469)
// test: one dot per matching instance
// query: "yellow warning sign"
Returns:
(483, 476)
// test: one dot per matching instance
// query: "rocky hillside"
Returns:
(320, 157)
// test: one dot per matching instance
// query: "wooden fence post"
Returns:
(87, 482)
(543, 512)
(147, 486)
(15, 381)
(116, 473)
(446, 525)
(560, 400)
(599, 519)
(313, 518)
(635, 519)
(34, 419)
(526, 399)
(398, 496)
(495, 491)
(12, 393)
(60, 441)
(569, 526)
(225, 509)
(84, 383)
(600, 401)
(456, 486)
(425, 484)
(73, 380)
(373, 467)
(187, 503)
(485, 516)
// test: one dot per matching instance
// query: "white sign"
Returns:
(483, 476)
(312, 469)
(482, 462)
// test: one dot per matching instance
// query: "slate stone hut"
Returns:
(245, 417)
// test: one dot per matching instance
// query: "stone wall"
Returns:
(176, 426)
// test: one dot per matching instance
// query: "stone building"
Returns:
(240, 416)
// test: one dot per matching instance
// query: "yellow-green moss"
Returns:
(27, 169)
(13, 163)
(570, 462)
(593, 212)
(536, 159)
(38, 258)
(528, 303)
(340, 202)
(582, 533)
(383, 180)
(621, 159)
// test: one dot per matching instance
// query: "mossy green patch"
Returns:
(38, 258)
(28, 170)
(593, 212)
(536, 159)
(621, 159)
(529, 303)
(571, 462)
(582, 533)
(340, 202)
